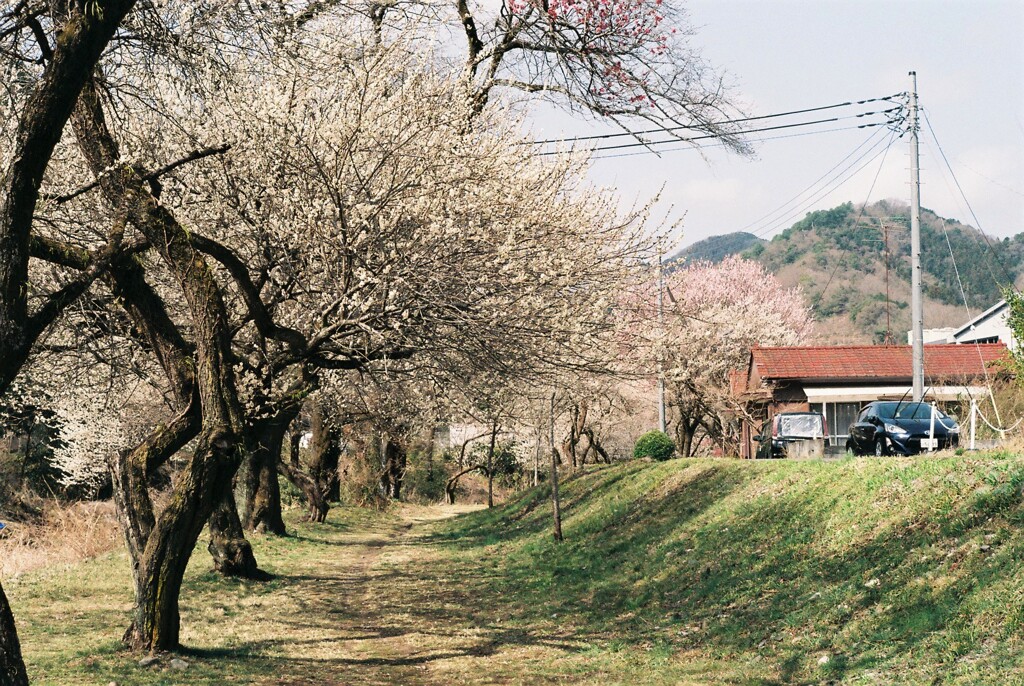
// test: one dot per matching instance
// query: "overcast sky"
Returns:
(783, 55)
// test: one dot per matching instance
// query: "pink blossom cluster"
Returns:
(621, 34)
(742, 286)
(626, 18)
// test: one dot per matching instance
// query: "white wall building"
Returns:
(988, 327)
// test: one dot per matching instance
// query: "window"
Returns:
(838, 418)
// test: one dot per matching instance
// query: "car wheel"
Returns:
(880, 449)
(851, 448)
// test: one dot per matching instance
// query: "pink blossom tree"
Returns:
(626, 60)
(714, 314)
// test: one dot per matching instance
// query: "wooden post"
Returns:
(556, 506)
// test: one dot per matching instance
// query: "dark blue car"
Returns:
(888, 427)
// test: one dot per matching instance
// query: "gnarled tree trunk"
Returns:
(232, 554)
(82, 35)
(315, 500)
(325, 453)
(294, 444)
(595, 443)
(156, 621)
(12, 667)
(393, 463)
(80, 41)
(262, 490)
(451, 488)
(490, 465)
(556, 504)
(208, 476)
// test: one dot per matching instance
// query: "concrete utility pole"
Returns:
(916, 303)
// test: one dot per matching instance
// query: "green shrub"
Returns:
(426, 475)
(508, 470)
(655, 444)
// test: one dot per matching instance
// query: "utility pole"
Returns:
(662, 425)
(888, 300)
(916, 304)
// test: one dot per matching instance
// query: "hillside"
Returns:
(838, 257)
(886, 571)
(717, 248)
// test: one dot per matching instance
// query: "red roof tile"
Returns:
(869, 362)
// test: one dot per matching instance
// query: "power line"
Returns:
(722, 145)
(990, 265)
(812, 184)
(648, 144)
(668, 129)
(821, 294)
(977, 224)
(831, 186)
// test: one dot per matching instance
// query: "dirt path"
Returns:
(363, 599)
(370, 608)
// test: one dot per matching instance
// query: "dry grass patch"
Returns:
(65, 534)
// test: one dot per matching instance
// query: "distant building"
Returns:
(934, 335)
(988, 327)
(839, 380)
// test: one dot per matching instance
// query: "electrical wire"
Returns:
(668, 129)
(990, 265)
(840, 178)
(711, 136)
(863, 207)
(722, 145)
(977, 223)
(812, 185)
(963, 294)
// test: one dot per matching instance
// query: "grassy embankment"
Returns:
(905, 571)
(897, 571)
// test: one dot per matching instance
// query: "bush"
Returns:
(426, 475)
(508, 469)
(656, 445)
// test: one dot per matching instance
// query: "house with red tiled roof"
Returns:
(839, 380)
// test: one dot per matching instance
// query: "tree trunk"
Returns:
(208, 476)
(325, 453)
(315, 500)
(200, 487)
(80, 42)
(394, 461)
(232, 554)
(596, 444)
(294, 443)
(326, 470)
(536, 457)
(12, 667)
(490, 466)
(130, 472)
(452, 487)
(262, 490)
(431, 443)
(82, 35)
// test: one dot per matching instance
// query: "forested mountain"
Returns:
(839, 256)
(717, 248)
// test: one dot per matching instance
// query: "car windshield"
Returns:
(801, 425)
(900, 410)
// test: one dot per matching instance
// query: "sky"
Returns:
(783, 55)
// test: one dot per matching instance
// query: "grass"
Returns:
(868, 571)
(63, 533)
(861, 571)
